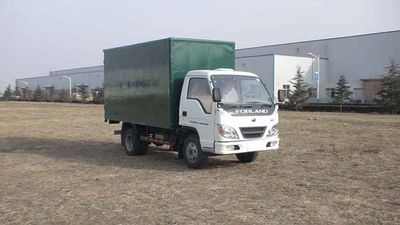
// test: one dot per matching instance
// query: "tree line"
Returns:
(388, 97)
(50, 94)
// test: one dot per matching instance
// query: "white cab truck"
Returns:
(232, 113)
(218, 111)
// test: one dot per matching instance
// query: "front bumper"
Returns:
(234, 147)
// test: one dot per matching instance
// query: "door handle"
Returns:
(184, 113)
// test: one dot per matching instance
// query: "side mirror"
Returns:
(216, 95)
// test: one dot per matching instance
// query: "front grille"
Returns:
(252, 132)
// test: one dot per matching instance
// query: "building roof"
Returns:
(324, 39)
(80, 70)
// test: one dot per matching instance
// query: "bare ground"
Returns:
(60, 164)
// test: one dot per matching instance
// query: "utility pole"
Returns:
(70, 85)
(318, 70)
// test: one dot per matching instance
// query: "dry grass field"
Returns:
(61, 164)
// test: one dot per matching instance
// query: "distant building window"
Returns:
(313, 93)
(359, 94)
(330, 92)
(283, 93)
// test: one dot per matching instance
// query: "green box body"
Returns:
(143, 82)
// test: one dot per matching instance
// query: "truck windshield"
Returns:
(241, 89)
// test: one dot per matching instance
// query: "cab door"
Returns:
(196, 110)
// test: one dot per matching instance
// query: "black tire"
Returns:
(157, 144)
(247, 157)
(124, 128)
(193, 156)
(132, 143)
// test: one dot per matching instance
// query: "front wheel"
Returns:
(193, 156)
(247, 157)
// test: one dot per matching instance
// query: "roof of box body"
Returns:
(171, 38)
(80, 70)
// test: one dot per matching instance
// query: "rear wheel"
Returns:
(132, 143)
(193, 156)
(247, 157)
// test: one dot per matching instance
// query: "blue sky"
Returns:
(39, 36)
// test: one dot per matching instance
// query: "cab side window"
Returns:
(199, 90)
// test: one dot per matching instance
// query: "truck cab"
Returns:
(227, 112)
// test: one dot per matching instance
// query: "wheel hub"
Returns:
(191, 152)
(129, 143)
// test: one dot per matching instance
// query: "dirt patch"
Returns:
(60, 163)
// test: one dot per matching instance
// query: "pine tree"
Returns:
(301, 91)
(84, 94)
(64, 96)
(342, 92)
(389, 95)
(7, 93)
(51, 94)
(17, 93)
(38, 95)
(27, 94)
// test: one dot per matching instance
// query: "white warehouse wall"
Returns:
(93, 77)
(263, 66)
(278, 70)
(285, 69)
(362, 57)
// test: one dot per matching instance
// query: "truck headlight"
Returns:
(273, 131)
(227, 132)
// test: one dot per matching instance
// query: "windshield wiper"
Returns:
(266, 105)
(263, 104)
(239, 106)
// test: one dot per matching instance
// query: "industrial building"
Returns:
(91, 77)
(362, 59)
